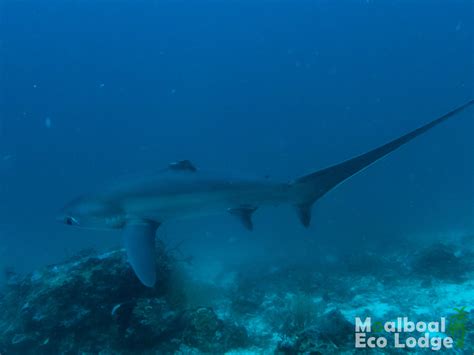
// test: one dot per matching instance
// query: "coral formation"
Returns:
(94, 304)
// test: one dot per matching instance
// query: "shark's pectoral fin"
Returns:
(139, 240)
(244, 214)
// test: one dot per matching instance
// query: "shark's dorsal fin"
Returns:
(182, 165)
(244, 214)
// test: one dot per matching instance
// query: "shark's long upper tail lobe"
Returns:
(311, 187)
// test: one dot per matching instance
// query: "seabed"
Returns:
(93, 304)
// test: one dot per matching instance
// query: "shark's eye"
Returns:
(71, 221)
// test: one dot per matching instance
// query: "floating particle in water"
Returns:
(47, 122)
(332, 70)
(35, 86)
(173, 91)
(101, 85)
(459, 26)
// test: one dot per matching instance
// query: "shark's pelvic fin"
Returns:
(311, 187)
(139, 240)
(182, 165)
(244, 214)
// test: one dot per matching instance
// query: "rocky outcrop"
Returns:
(93, 303)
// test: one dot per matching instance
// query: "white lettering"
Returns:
(433, 327)
(371, 342)
(408, 326)
(397, 341)
(363, 326)
(448, 342)
(389, 327)
(360, 340)
(411, 342)
(436, 343)
(381, 342)
(421, 327)
(400, 326)
(424, 341)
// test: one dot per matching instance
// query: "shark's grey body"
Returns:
(138, 206)
(175, 193)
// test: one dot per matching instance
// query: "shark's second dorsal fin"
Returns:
(182, 165)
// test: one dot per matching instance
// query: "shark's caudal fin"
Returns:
(311, 187)
(139, 240)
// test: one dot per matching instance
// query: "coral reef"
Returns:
(439, 261)
(93, 303)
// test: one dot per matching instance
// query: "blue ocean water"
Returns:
(92, 90)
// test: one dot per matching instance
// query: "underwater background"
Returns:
(92, 90)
